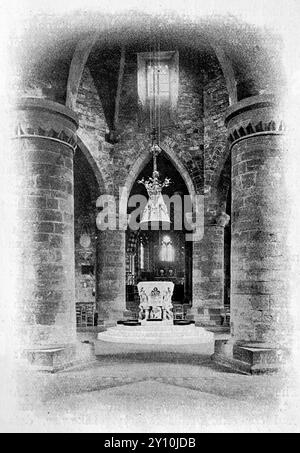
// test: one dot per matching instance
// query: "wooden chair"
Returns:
(178, 312)
(225, 314)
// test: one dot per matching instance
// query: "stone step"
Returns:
(174, 353)
(158, 334)
(156, 327)
(140, 336)
(150, 333)
(159, 341)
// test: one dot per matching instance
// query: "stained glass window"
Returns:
(167, 252)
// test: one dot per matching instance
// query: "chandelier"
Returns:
(155, 212)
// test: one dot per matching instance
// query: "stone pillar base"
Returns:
(250, 358)
(113, 319)
(209, 317)
(130, 314)
(50, 359)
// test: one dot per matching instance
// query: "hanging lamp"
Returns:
(155, 212)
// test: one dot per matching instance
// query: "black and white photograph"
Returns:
(150, 219)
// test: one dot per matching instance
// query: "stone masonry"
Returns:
(44, 147)
(196, 118)
(225, 136)
(111, 268)
(259, 267)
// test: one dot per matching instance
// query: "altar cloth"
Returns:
(156, 294)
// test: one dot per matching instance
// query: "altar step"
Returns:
(158, 333)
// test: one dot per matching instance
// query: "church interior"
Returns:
(102, 102)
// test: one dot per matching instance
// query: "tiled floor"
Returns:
(118, 395)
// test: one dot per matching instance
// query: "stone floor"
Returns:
(112, 394)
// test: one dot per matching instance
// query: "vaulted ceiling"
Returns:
(46, 47)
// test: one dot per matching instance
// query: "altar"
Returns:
(156, 300)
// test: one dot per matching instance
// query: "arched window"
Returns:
(167, 252)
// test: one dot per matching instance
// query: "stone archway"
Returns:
(144, 158)
(211, 266)
(192, 191)
(224, 200)
(88, 185)
(99, 179)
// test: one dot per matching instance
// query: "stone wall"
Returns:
(86, 190)
(45, 135)
(185, 137)
(93, 127)
(215, 139)
(111, 269)
(44, 78)
(198, 134)
(197, 139)
(208, 274)
(85, 255)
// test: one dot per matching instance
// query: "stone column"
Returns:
(44, 143)
(111, 273)
(260, 323)
(208, 273)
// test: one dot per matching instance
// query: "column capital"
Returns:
(221, 220)
(42, 118)
(256, 115)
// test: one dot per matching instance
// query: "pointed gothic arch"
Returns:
(143, 160)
